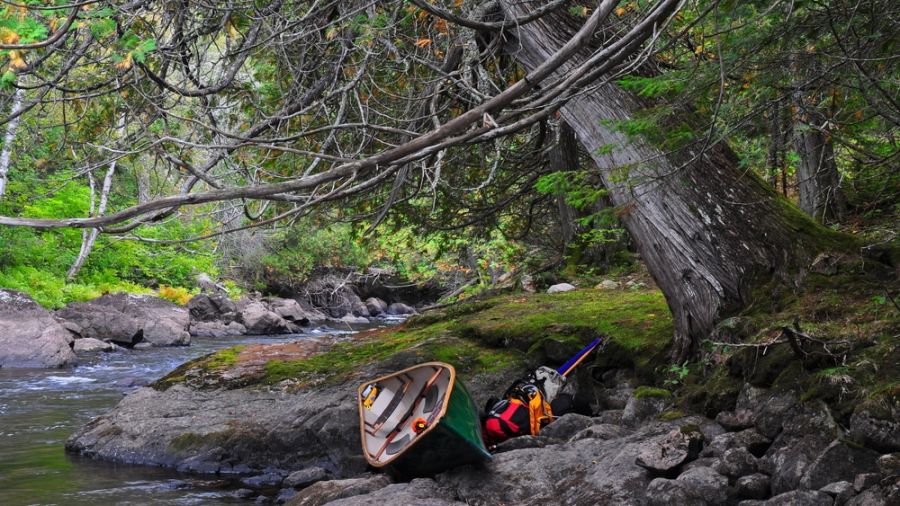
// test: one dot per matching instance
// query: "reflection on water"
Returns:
(39, 409)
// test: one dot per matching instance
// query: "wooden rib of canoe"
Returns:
(420, 421)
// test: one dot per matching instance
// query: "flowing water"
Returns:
(40, 408)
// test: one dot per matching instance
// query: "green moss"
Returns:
(645, 392)
(670, 415)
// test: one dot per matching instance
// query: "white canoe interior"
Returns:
(403, 408)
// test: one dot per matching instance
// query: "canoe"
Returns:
(420, 421)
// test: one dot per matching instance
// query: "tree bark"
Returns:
(11, 128)
(708, 231)
(89, 236)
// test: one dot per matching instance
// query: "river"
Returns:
(40, 408)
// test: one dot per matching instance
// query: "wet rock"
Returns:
(243, 493)
(376, 306)
(284, 495)
(877, 428)
(750, 439)
(142, 346)
(260, 321)
(217, 329)
(399, 308)
(735, 420)
(838, 462)
(327, 491)
(130, 382)
(736, 463)
(212, 308)
(305, 477)
(353, 320)
(705, 484)
(670, 451)
(754, 486)
(841, 491)
(560, 288)
(89, 344)
(267, 480)
(30, 336)
(640, 409)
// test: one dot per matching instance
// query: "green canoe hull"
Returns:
(455, 441)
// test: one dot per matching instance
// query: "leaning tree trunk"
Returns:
(708, 231)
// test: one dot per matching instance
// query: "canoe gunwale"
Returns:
(433, 422)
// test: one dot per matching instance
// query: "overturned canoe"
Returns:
(420, 421)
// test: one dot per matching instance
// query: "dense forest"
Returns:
(710, 188)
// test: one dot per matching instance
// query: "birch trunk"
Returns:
(89, 236)
(11, 128)
(708, 231)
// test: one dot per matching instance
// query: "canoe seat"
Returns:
(431, 398)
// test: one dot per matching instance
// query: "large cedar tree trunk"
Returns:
(708, 231)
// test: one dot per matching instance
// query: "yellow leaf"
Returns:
(620, 11)
(126, 62)
(16, 61)
(423, 42)
(699, 49)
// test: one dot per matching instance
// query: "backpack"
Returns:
(525, 408)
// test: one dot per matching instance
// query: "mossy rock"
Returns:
(644, 392)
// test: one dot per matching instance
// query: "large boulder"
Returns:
(102, 322)
(258, 320)
(560, 288)
(88, 344)
(212, 308)
(667, 453)
(376, 306)
(399, 308)
(292, 311)
(838, 462)
(158, 321)
(29, 336)
(877, 427)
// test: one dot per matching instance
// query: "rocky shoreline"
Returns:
(31, 336)
(299, 444)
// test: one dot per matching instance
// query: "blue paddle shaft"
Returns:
(587, 349)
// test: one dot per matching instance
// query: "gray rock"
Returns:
(305, 477)
(877, 429)
(528, 283)
(102, 322)
(166, 332)
(267, 480)
(750, 439)
(670, 451)
(599, 431)
(874, 496)
(735, 420)
(705, 484)
(217, 329)
(768, 409)
(243, 493)
(89, 344)
(419, 492)
(841, 491)
(664, 492)
(616, 397)
(560, 288)
(607, 284)
(610, 416)
(838, 462)
(754, 486)
(800, 498)
(285, 495)
(212, 308)
(518, 443)
(399, 308)
(324, 492)
(889, 465)
(30, 336)
(143, 345)
(260, 321)
(353, 320)
(736, 462)
(292, 311)
(376, 306)
(863, 481)
(638, 410)
(808, 430)
(566, 426)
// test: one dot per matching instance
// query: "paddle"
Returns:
(573, 362)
